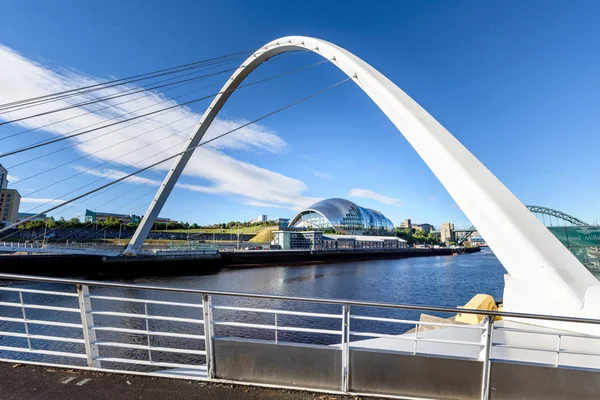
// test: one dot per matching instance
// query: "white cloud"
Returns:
(263, 204)
(22, 78)
(11, 178)
(33, 200)
(369, 194)
(323, 175)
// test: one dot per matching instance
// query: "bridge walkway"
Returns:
(35, 382)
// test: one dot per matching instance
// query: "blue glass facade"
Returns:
(344, 217)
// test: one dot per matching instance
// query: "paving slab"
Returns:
(34, 382)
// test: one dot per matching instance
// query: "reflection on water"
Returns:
(444, 281)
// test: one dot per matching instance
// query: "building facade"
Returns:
(97, 216)
(3, 178)
(344, 217)
(447, 234)
(10, 200)
(425, 228)
(317, 240)
(22, 216)
(282, 222)
(406, 224)
(260, 219)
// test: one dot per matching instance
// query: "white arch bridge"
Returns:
(539, 267)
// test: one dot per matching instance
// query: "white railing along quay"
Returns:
(166, 331)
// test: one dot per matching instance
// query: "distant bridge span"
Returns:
(559, 215)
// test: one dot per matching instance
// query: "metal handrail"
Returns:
(503, 314)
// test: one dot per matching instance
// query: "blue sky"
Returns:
(516, 82)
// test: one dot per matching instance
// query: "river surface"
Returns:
(440, 281)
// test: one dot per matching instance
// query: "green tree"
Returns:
(51, 223)
(34, 225)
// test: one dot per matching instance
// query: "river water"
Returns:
(440, 281)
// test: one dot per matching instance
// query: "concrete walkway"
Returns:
(32, 382)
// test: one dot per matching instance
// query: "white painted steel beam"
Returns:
(543, 276)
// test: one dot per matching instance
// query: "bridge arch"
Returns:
(557, 214)
(535, 210)
(528, 251)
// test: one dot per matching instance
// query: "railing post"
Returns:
(208, 335)
(556, 363)
(416, 339)
(25, 319)
(87, 320)
(345, 347)
(486, 356)
(275, 328)
(148, 332)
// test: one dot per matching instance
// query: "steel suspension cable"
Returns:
(127, 92)
(96, 194)
(139, 171)
(112, 97)
(120, 81)
(45, 143)
(118, 116)
(149, 92)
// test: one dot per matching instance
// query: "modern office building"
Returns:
(317, 240)
(344, 217)
(10, 200)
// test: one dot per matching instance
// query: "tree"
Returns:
(51, 223)
(34, 225)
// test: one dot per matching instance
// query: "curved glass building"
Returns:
(343, 217)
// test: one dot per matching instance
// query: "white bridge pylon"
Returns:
(540, 269)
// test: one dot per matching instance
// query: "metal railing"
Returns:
(133, 328)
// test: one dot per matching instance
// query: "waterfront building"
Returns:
(282, 222)
(406, 224)
(317, 240)
(297, 240)
(341, 216)
(10, 200)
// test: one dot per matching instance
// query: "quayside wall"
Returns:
(62, 265)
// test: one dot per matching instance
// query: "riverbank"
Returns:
(60, 265)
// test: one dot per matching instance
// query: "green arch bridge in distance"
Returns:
(581, 238)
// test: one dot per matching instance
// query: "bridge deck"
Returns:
(34, 382)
